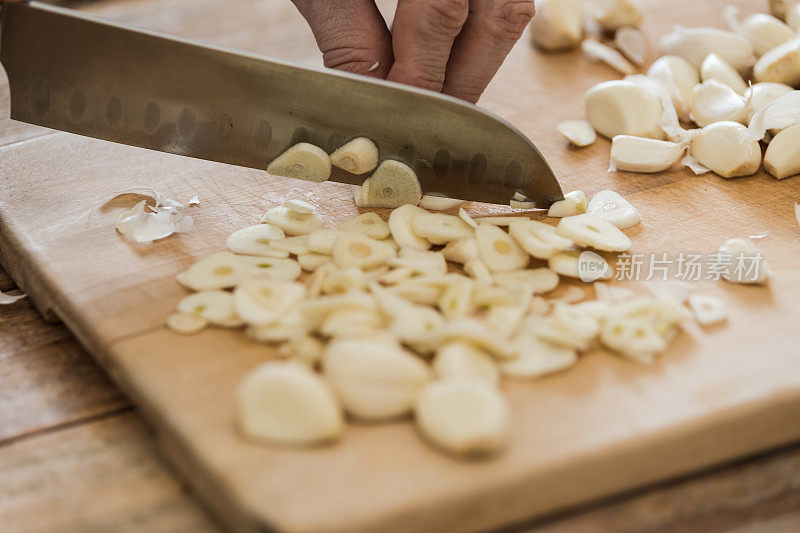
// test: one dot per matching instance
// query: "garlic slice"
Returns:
(726, 149)
(568, 326)
(780, 65)
(765, 32)
(456, 299)
(255, 240)
(461, 251)
(370, 224)
(273, 268)
(298, 206)
(713, 101)
(615, 14)
(579, 132)
(601, 52)
(260, 302)
(294, 245)
(574, 203)
(498, 221)
(395, 276)
(420, 261)
(186, 323)
(435, 202)
(475, 332)
(638, 154)
(569, 264)
(680, 78)
(312, 261)
(321, 241)
(742, 262)
(477, 269)
(623, 107)
(635, 338)
(533, 281)
(344, 280)
(707, 310)
(613, 208)
(287, 402)
(558, 24)
(463, 215)
(438, 228)
(536, 358)
(401, 223)
(716, 68)
(694, 44)
(632, 43)
(498, 250)
(782, 158)
(538, 239)
(302, 161)
(303, 349)
(220, 270)
(375, 378)
(358, 156)
(291, 221)
(592, 231)
(393, 184)
(458, 359)
(214, 306)
(351, 322)
(356, 249)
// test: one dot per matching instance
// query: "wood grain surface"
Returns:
(607, 426)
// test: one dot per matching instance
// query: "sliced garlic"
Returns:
(214, 305)
(344, 280)
(421, 290)
(639, 154)
(316, 310)
(438, 228)
(539, 239)
(220, 270)
(186, 323)
(395, 276)
(505, 320)
(623, 107)
(298, 206)
(420, 261)
(261, 302)
(568, 326)
(742, 262)
(312, 261)
(401, 225)
(292, 222)
(569, 264)
(287, 402)
(393, 184)
(574, 203)
(579, 132)
(358, 156)
(615, 14)
(780, 65)
(536, 358)
(632, 43)
(725, 148)
(762, 94)
(592, 231)
(532, 281)
(294, 245)
(302, 161)
(356, 249)
(498, 221)
(456, 299)
(461, 251)
(498, 250)
(375, 378)
(304, 349)
(463, 215)
(613, 208)
(765, 32)
(462, 360)
(351, 321)
(475, 332)
(680, 78)
(486, 296)
(273, 268)
(321, 241)
(477, 269)
(255, 240)
(434, 202)
(713, 101)
(694, 44)
(558, 24)
(793, 17)
(707, 310)
(782, 158)
(463, 416)
(716, 68)
(635, 338)
(601, 52)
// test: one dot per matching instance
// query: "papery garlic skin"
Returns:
(726, 149)
(623, 107)
(713, 101)
(558, 24)
(782, 158)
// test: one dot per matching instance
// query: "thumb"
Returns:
(351, 34)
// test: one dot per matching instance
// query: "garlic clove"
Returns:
(694, 44)
(592, 231)
(713, 101)
(574, 203)
(680, 78)
(638, 154)
(358, 156)
(726, 149)
(743, 262)
(302, 161)
(762, 94)
(632, 43)
(579, 132)
(613, 208)
(623, 108)
(780, 65)
(782, 158)
(601, 52)
(716, 68)
(615, 14)
(765, 32)
(558, 24)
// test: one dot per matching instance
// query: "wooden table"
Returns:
(76, 456)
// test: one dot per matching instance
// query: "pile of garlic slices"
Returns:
(419, 315)
(709, 101)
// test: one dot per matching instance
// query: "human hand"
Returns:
(451, 46)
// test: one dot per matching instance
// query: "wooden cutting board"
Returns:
(604, 427)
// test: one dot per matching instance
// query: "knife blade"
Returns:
(81, 74)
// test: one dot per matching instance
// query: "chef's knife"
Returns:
(77, 73)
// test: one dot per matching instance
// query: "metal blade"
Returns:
(84, 75)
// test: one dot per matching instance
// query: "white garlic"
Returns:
(614, 14)
(713, 101)
(558, 24)
(716, 68)
(638, 154)
(624, 108)
(680, 78)
(579, 132)
(780, 65)
(765, 32)
(726, 149)
(694, 44)
(782, 158)
(632, 43)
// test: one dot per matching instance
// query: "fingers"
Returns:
(492, 29)
(351, 34)
(422, 36)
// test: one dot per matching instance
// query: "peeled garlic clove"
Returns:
(370, 224)
(638, 154)
(765, 32)
(358, 156)
(292, 222)
(743, 262)
(558, 24)
(273, 268)
(613, 208)
(401, 223)
(356, 249)
(726, 149)
(440, 229)
(538, 239)
(713, 101)
(463, 416)
(213, 305)
(457, 359)
(186, 323)
(569, 264)
(461, 251)
(532, 281)
(707, 309)
(716, 68)
(434, 202)
(632, 43)
(614, 14)
(680, 78)
(762, 94)
(217, 271)
(498, 250)
(260, 302)
(393, 184)
(254, 240)
(694, 44)
(793, 17)
(287, 402)
(623, 108)
(780, 65)
(601, 52)
(302, 161)
(579, 132)
(574, 203)
(375, 378)
(592, 231)
(782, 158)
(536, 358)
